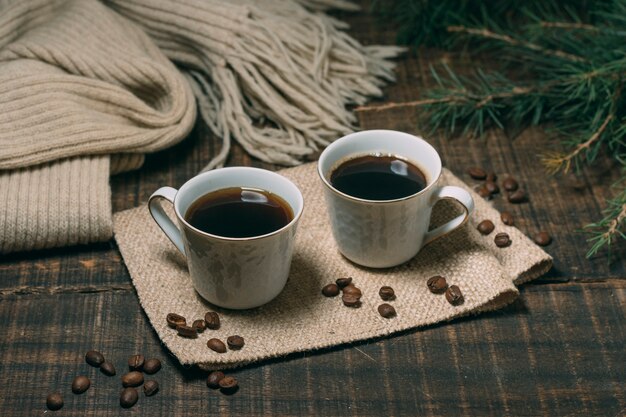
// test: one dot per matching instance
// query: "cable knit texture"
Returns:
(81, 80)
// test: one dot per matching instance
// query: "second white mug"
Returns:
(386, 233)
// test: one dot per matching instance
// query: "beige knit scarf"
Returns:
(86, 88)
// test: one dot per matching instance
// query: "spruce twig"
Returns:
(487, 34)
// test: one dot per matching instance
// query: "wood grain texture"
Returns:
(558, 350)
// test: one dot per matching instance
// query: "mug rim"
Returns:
(181, 218)
(349, 136)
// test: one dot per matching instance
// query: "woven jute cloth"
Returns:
(301, 318)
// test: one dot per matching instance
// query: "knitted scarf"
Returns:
(87, 88)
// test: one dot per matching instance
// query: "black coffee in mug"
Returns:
(378, 177)
(239, 212)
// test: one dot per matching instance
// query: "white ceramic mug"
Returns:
(231, 272)
(385, 233)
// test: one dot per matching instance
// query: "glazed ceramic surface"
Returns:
(386, 233)
(235, 273)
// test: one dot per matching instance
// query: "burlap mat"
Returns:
(300, 318)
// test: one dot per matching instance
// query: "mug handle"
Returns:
(162, 219)
(455, 193)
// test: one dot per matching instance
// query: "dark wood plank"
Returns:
(558, 350)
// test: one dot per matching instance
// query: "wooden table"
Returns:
(559, 350)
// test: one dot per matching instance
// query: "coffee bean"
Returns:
(483, 191)
(507, 218)
(94, 358)
(387, 293)
(485, 227)
(152, 366)
(212, 320)
(150, 387)
(54, 401)
(543, 239)
(351, 300)
(80, 384)
(351, 289)
(437, 284)
(199, 325)
(174, 320)
(454, 295)
(517, 197)
(213, 381)
(228, 384)
(128, 397)
(135, 362)
(132, 379)
(235, 342)
(492, 177)
(216, 345)
(386, 310)
(477, 173)
(187, 331)
(330, 290)
(492, 187)
(502, 240)
(107, 368)
(343, 282)
(510, 184)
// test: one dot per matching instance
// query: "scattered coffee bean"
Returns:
(187, 331)
(510, 184)
(94, 358)
(483, 191)
(517, 197)
(477, 173)
(216, 345)
(152, 366)
(543, 239)
(502, 240)
(150, 387)
(128, 397)
(454, 295)
(387, 293)
(507, 218)
(235, 342)
(330, 290)
(437, 284)
(485, 227)
(351, 300)
(107, 368)
(228, 384)
(343, 282)
(492, 177)
(351, 289)
(132, 379)
(212, 320)
(386, 310)
(54, 401)
(135, 362)
(199, 325)
(492, 187)
(174, 320)
(80, 384)
(213, 381)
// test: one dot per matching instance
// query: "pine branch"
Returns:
(487, 34)
(557, 162)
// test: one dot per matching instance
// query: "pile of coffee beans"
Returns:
(515, 195)
(439, 285)
(211, 321)
(351, 295)
(134, 378)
